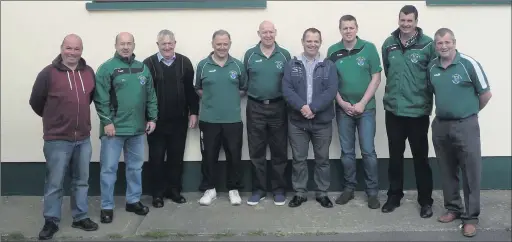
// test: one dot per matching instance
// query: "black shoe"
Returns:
(296, 201)
(390, 205)
(85, 224)
(324, 201)
(426, 211)
(107, 215)
(137, 208)
(49, 229)
(175, 197)
(345, 197)
(373, 202)
(158, 202)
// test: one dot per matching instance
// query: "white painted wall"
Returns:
(32, 32)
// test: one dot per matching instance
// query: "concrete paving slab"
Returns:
(24, 216)
(221, 218)
(21, 219)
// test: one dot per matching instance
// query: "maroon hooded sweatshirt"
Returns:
(62, 97)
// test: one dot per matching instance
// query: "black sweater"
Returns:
(174, 88)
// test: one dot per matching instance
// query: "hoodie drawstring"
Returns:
(81, 81)
(69, 80)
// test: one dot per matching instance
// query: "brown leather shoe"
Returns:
(447, 217)
(469, 230)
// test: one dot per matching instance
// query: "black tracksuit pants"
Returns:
(167, 176)
(416, 131)
(212, 137)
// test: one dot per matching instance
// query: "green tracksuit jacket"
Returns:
(406, 92)
(125, 96)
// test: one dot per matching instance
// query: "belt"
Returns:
(455, 119)
(268, 101)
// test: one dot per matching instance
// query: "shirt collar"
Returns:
(302, 57)
(359, 44)
(455, 60)
(211, 61)
(411, 40)
(160, 57)
(258, 49)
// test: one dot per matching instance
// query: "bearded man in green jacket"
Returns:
(126, 104)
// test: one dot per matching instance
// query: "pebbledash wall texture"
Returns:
(98, 22)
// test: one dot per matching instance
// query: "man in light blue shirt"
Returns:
(310, 112)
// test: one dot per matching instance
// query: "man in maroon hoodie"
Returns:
(61, 95)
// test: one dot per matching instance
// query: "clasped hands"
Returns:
(353, 110)
(306, 112)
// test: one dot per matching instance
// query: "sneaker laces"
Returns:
(209, 193)
(234, 193)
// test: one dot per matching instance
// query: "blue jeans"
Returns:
(365, 124)
(111, 147)
(60, 155)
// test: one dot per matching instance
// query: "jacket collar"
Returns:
(57, 63)
(128, 60)
(299, 58)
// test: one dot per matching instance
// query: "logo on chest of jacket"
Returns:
(456, 78)
(279, 65)
(414, 57)
(142, 80)
(360, 60)
(233, 74)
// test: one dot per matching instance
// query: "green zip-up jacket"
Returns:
(406, 92)
(125, 96)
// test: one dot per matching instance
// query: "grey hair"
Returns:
(221, 32)
(163, 33)
(443, 31)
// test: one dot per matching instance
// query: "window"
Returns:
(107, 5)
(467, 2)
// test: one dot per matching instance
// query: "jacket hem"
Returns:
(66, 138)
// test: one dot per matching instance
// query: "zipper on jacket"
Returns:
(78, 104)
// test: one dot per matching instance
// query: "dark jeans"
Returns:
(63, 156)
(212, 136)
(365, 125)
(416, 131)
(320, 136)
(166, 176)
(267, 125)
(457, 145)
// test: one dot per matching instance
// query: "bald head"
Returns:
(125, 44)
(267, 33)
(267, 25)
(71, 39)
(125, 36)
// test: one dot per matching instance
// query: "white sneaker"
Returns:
(234, 197)
(208, 197)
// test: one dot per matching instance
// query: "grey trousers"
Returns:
(320, 137)
(457, 145)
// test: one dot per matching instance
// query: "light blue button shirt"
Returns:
(167, 62)
(310, 68)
